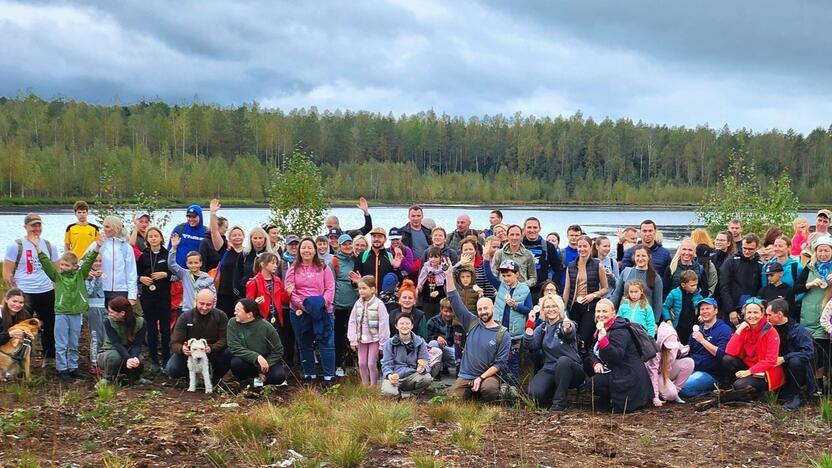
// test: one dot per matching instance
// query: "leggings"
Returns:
(584, 316)
(157, 316)
(368, 363)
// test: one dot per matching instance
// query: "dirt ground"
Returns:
(164, 425)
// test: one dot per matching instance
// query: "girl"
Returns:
(669, 370)
(431, 284)
(635, 307)
(154, 277)
(122, 350)
(642, 270)
(368, 329)
(801, 235)
(227, 271)
(601, 250)
(469, 248)
(12, 312)
(268, 292)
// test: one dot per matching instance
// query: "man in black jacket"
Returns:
(739, 278)
(546, 259)
(376, 261)
(415, 235)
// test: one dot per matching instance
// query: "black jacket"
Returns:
(630, 385)
(739, 276)
(546, 259)
(144, 267)
(407, 234)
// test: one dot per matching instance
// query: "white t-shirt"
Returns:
(29, 275)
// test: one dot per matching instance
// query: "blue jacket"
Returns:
(400, 358)
(718, 335)
(802, 348)
(554, 343)
(659, 256)
(191, 237)
(516, 320)
(674, 301)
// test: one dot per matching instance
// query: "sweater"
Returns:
(634, 312)
(192, 324)
(70, 286)
(368, 322)
(481, 352)
(718, 335)
(554, 343)
(759, 348)
(311, 280)
(256, 338)
(665, 337)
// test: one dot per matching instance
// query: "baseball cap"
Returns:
(191, 212)
(773, 267)
(707, 300)
(395, 234)
(825, 212)
(334, 232)
(378, 230)
(31, 219)
(344, 238)
(143, 214)
(292, 239)
(509, 265)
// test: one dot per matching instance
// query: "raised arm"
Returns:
(214, 225)
(460, 310)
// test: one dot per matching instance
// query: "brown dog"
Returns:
(15, 355)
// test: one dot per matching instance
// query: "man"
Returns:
(797, 354)
(415, 235)
(487, 347)
(494, 218)
(213, 247)
(22, 269)
(707, 348)
(80, 234)
(735, 228)
(332, 222)
(463, 229)
(141, 221)
(398, 250)
(376, 261)
(659, 256)
(546, 259)
(570, 252)
(203, 321)
(191, 234)
(821, 226)
(740, 277)
(441, 334)
(515, 251)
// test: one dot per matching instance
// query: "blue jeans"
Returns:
(511, 375)
(305, 337)
(448, 354)
(699, 383)
(96, 316)
(67, 335)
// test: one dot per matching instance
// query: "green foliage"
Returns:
(426, 461)
(216, 459)
(824, 460)
(739, 195)
(105, 393)
(297, 198)
(826, 409)
(19, 421)
(28, 460)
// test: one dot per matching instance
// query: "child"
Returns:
(266, 289)
(669, 370)
(96, 314)
(801, 235)
(322, 246)
(776, 288)
(193, 280)
(389, 285)
(635, 307)
(679, 307)
(468, 289)
(368, 329)
(70, 302)
(431, 284)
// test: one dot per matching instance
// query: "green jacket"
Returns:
(345, 293)
(70, 287)
(258, 338)
(813, 306)
(525, 262)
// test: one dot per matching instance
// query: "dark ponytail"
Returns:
(121, 304)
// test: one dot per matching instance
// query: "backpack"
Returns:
(501, 333)
(19, 243)
(645, 344)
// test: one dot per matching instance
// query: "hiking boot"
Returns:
(77, 374)
(792, 403)
(66, 377)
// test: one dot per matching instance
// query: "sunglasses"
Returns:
(755, 300)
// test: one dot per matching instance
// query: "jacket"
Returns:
(257, 287)
(191, 324)
(630, 386)
(407, 234)
(375, 264)
(801, 347)
(810, 310)
(70, 287)
(145, 266)
(546, 259)
(703, 361)
(420, 321)
(190, 236)
(190, 286)
(759, 348)
(118, 263)
(311, 280)
(554, 343)
(707, 274)
(674, 302)
(659, 256)
(407, 267)
(117, 338)
(345, 292)
(635, 313)
(400, 358)
(739, 276)
(665, 336)
(368, 322)
(517, 316)
(595, 278)
(258, 338)
(244, 270)
(523, 258)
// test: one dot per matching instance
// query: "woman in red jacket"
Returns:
(266, 289)
(751, 354)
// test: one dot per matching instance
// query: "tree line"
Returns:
(64, 148)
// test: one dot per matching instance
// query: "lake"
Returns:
(674, 224)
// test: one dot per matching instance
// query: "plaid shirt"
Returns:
(438, 327)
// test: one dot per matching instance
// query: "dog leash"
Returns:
(21, 351)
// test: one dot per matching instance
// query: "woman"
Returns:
(154, 277)
(407, 304)
(814, 282)
(586, 283)
(404, 364)
(345, 298)
(554, 239)
(118, 262)
(122, 349)
(750, 359)
(724, 248)
(258, 242)
(227, 271)
(601, 248)
(274, 238)
(643, 270)
(685, 259)
(514, 250)
(701, 237)
(360, 245)
(781, 248)
(556, 338)
(12, 312)
(313, 290)
(469, 248)
(501, 233)
(256, 350)
(439, 237)
(620, 377)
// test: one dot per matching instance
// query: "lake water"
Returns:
(674, 224)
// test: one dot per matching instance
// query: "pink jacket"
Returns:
(666, 337)
(310, 280)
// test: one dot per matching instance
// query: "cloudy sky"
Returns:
(757, 64)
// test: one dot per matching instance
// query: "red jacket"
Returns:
(758, 348)
(256, 287)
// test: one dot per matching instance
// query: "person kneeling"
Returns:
(796, 356)
(256, 349)
(404, 364)
(122, 350)
(751, 355)
(202, 322)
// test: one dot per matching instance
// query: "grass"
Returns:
(114, 460)
(472, 420)
(824, 460)
(826, 409)
(426, 461)
(776, 408)
(105, 393)
(20, 421)
(216, 459)
(27, 460)
(20, 392)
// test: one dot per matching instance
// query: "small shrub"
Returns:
(347, 451)
(826, 409)
(426, 461)
(824, 460)
(105, 393)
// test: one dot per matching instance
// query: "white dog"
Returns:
(198, 364)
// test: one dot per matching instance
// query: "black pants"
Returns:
(287, 337)
(823, 350)
(227, 303)
(730, 366)
(547, 387)
(156, 310)
(796, 372)
(42, 305)
(584, 316)
(177, 367)
(243, 370)
(342, 318)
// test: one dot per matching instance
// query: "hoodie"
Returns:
(191, 236)
(666, 337)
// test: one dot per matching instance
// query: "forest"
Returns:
(62, 149)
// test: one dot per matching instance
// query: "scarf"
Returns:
(824, 268)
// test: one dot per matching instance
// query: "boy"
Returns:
(468, 289)
(79, 235)
(193, 279)
(679, 307)
(70, 302)
(776, 288)
(441, 336)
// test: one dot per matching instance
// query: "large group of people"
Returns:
(632, 323)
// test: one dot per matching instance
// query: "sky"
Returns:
(749, 64)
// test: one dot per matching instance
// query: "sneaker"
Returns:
(77, 374)
(339, 372)
(66, 377)
(679, 400)
(143, 381)
(558, 406)
(792, 403)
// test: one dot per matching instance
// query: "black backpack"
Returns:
(645, 344)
